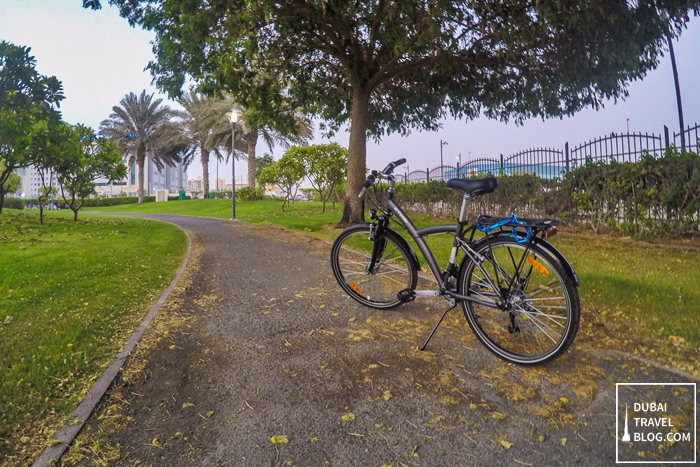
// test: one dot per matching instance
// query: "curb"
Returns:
(78, 418)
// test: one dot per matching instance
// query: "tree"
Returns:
(13, 181)
(27, 101)
(325, 167)
(139, 125)
(190, 133)
(52, 145)
(287, 173)
(261, 162)
(91, 158)
(253, 129)
(392, 66)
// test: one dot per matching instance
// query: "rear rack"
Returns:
(539, 224)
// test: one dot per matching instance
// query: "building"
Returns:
(172, 179)
(31, 182)
(195, 184)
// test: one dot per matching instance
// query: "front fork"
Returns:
(378, 241)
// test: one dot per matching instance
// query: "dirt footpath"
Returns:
(263, 361)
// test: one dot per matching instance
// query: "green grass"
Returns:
(71, 293)
(656, 284)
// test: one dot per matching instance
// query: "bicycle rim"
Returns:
(542, 311)
(375, 287)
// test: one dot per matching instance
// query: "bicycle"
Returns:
(517, 291)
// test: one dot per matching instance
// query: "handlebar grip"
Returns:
(390, 168)
(370, 180)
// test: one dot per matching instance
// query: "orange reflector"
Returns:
(537, 266)
(357, 289)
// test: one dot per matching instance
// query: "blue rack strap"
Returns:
(512, 220)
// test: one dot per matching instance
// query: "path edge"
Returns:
(65, 436)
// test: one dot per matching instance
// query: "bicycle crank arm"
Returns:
(466, 298)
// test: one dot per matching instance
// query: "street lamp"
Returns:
(233, 118)
(459, 165)
(628, 124)
(442, 143)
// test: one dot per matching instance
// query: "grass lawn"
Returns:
(619, 277)
(70, 294)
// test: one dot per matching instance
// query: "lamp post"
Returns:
(442, 143)
(678, 89)
(459, 165)
(233, 118)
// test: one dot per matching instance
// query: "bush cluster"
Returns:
(13, 203)
(652, 196)
(248, 193)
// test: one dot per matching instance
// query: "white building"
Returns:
(172, 179)
(31, 182)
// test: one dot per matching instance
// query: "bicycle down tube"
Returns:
(417, 236)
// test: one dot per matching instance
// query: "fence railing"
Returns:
(553, 163)
(690, 136)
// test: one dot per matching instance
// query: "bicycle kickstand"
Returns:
(452, 305)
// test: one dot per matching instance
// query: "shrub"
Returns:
(248, 193)
(13, 203)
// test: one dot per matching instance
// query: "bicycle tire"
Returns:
(525, 333)
(350, 256)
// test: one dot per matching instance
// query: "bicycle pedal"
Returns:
(406, 295)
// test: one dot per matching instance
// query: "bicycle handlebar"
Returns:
(372, 176)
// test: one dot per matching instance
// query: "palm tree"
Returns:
(138, 125)
(221, 135)
(191, 133)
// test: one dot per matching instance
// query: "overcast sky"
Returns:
(99, 59)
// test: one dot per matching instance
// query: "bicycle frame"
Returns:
(458, 231)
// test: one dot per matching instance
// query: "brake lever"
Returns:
(362, 192)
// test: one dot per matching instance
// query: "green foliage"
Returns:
(12, 183)
(654, 195)
(396, 66)
(261, 162)
(118, 201)
(287, 173)
(248, 193)
(326, 166)
(89, 158)
(13, 203)
(27, 101)
(141, 125)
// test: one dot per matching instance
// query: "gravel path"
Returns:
(271, 347)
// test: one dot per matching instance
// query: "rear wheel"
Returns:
(374, 285)
(540, 310)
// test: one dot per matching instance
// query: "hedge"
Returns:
(13, 203)
(651, 196)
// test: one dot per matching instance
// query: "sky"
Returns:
(100, 58)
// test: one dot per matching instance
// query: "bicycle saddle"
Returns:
(474, 186)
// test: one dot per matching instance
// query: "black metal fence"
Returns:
(690, 138)
(553, 163)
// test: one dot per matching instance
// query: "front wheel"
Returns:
(373, 283)
(540, 311)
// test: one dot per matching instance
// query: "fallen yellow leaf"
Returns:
(279, 440)
(187, 404)
(506, 444)
(348, 417)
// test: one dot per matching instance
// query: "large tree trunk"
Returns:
(251, 140)
(2, 198)
(205, 172)
(140, 162)
(353, 212)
